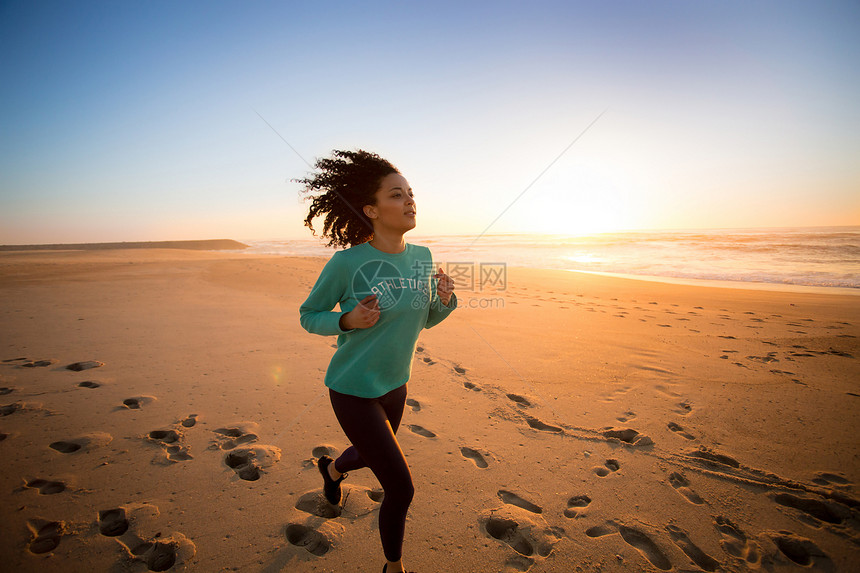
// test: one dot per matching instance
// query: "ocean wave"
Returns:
(818, 257)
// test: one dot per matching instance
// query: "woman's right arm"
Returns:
(316, 315)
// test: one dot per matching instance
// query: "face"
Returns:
(395, 205)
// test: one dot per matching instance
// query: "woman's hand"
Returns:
(364, 315)
(445, 286)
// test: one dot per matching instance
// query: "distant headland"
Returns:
(204, 245)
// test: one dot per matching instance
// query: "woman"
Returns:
(385, 291)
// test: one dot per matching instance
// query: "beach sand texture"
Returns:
(591, 424)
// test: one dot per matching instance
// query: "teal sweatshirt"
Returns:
(370, 362)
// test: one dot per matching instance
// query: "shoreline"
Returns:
(725, 284)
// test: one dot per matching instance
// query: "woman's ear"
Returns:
(370, 211)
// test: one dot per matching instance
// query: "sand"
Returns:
(567, 422)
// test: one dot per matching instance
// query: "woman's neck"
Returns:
(388, 242)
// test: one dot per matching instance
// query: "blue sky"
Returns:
(139, 121)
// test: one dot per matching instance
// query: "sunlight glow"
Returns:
(586, 215)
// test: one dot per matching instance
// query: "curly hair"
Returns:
(342, 186)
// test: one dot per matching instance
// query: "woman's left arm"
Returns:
(444, 301)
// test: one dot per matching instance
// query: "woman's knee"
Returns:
(401, 492)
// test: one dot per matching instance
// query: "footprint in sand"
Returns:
(615, 392)
(65, 447)
(469, 386)
(542, 426)
(190, 421)
(38, 364)
(713, 458)
(168, 441)
(735, 542)
(802, 551)
(421, 431)
(46, 535)
(46, 487)
(636, 539)
(601, 530)
(626, 416)
(526, 533)
(827, 511)
(609, 466)
(475, 456)
(644, 545)
(89, 384)
(414, 404)
(113, 522)
(323, 450)
(315, 503)
(507, 530)
(513, 499)
(310, 539)
(135, 402)
(696, 555)
(86, 365)
(627, 436)
(678, 429)
(9, 409)
(576, 504)
(521, 401)
(164, 436)
(459, 370)
(684, 407)
(159, 553)
(243, 463)
(230, 438)
(159, 556)
(771, 357)
(664, 389)
(682, 486)
(429, 360)
(5, 390)
(86, 442)
(832, 480)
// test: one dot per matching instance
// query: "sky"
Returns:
(137, 121)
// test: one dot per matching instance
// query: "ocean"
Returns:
(822, 257)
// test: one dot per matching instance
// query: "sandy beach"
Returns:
(559, 422)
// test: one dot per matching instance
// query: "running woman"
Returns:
(387, 293)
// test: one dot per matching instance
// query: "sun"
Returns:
(584, 199)
(584, 212)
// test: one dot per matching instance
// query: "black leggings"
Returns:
(370, 424)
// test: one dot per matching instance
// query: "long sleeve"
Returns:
(330, 289)
(438, 311)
